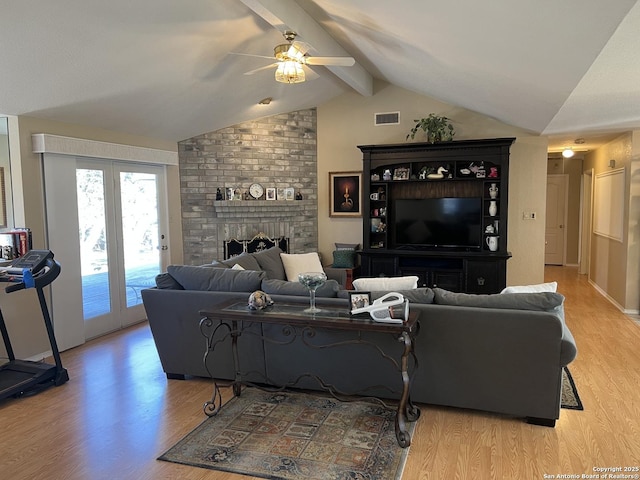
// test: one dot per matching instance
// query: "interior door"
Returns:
(555, 220)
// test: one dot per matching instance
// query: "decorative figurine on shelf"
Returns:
(218, 194)
(298, 196)
(493, 172)
(386, 176)
(440, 174)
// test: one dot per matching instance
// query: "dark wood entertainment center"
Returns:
(473, 169)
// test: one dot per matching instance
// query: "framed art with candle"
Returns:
(345, 194)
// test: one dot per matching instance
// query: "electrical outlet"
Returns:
(529, 215)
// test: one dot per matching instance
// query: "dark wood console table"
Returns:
(298, 325)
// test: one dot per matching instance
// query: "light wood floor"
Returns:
(118, 413)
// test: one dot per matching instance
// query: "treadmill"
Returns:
(36, 269)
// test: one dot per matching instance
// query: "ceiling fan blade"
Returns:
(251, 72)
(337, 61)
(251, 55)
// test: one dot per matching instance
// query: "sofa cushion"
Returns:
(283, 287)
(245, 260)
(420, 295)
(271, 263)
(542, 301)
(295, 263)
(167, 282)
(216, 279)
(389, 284)
(540, 287)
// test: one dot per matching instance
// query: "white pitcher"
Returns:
(492, 243)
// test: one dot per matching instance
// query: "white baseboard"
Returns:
(40, 357)
(612, 301)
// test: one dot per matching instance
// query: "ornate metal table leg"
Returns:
(211, 407)
(406, 410)
(237, 386)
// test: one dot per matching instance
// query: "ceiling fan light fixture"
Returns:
(568, 153)
(290, 72)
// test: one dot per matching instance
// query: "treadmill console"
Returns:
(33, 260)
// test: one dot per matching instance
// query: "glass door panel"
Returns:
(140, 233)
(96, 291)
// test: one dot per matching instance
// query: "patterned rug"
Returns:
(570, 398)
(295, 435)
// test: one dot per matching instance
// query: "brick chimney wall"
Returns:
(277, 152)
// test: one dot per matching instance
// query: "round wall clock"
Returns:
(256, 190)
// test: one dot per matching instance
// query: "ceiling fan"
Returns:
(292, 62)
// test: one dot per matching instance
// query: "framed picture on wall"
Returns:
(345, 194)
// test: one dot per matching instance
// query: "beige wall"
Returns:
(348, 121)
(27, 334)
(610, 268)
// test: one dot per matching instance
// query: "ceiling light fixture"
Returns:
(568, 153)
(290, 72)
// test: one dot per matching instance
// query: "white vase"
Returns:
(493, 191)
(493, 208)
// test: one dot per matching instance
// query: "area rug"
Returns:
(295, 435)
(570, 398)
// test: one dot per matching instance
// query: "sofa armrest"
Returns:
(344, 276)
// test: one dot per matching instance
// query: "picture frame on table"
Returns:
(359, 300)
(271, 193)
(345, 194)
(280, 193)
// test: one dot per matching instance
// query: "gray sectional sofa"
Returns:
(499, 353)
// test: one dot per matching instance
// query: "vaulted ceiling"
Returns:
(164, 68)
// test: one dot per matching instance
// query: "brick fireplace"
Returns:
(277, 152)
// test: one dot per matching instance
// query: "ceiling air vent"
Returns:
(391, 118)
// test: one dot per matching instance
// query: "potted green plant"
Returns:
(437, 128)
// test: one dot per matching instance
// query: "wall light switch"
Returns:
(528, 215)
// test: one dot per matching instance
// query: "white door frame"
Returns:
(586, 221)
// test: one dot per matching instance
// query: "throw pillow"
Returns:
(216, 279)
(271, 263)
(344, 258)
(541, 287)
(542, 301)
(347, 246)
(237, 266)
(282, 287)
(245, 260)
(295, 263)
(389, 284)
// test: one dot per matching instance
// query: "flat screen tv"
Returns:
(438, 223)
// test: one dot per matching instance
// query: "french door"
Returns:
(122, 245)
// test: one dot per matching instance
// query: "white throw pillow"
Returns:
(237, 266)
(295, 263)
(541, 287)
(385, 284)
